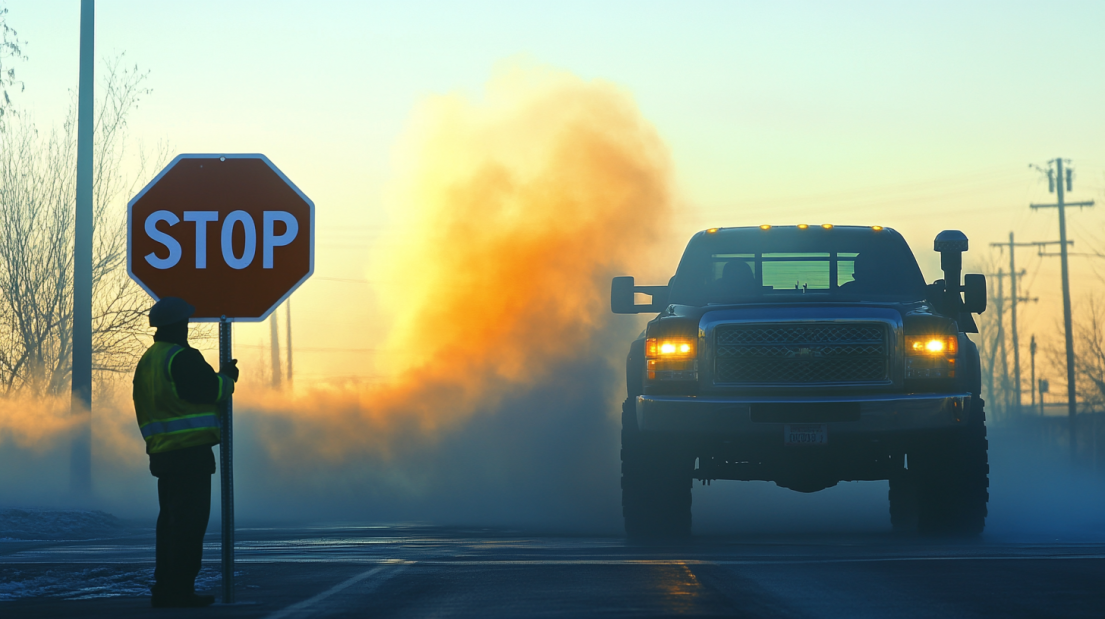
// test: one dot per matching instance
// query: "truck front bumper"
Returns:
(879, 414)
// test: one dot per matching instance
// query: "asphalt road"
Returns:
(398, 571)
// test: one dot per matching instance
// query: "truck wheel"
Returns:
(656, 483)
(903, 502)
(952, 479)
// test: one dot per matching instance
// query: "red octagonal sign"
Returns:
(230, 234)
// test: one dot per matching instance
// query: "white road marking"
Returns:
(47, 558)
(303, 609)
(810, 561)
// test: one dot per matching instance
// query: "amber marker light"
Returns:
(711, 230)
(931, 344)
(765, 227)
(675, 347)
(803, 226)
(670, 358)
(827, 226)
(876, 228)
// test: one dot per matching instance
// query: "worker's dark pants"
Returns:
(185, 500)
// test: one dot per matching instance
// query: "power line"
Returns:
(315, 348)
(343, 280)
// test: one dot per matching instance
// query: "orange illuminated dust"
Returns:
(513, 213)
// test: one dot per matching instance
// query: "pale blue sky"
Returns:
(916, 115)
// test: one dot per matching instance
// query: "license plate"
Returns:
(805, 434)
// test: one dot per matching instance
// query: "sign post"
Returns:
(231, 235)
(226, 466)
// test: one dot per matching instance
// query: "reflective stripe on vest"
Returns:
(180, 424)
(166, 420)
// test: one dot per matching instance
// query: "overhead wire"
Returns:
(866, 199)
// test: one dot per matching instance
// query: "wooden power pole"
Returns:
(1057, 180)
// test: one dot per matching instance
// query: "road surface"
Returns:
(414, 571)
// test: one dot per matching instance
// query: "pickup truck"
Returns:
(806, 355)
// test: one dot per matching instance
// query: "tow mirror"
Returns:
(622, 292)
(974, 293)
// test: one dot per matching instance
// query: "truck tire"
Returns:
(656, 483)
(951, 472)
(903, 502)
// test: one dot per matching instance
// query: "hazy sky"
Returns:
(916, 115)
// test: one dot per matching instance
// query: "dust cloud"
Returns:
(35, 423)
(502, 365)
(501, 362)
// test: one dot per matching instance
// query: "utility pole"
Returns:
(1013, 326)
(1011, 394)
(1001, 346)
(1013, 300)
(288, 328)
(274, 346)
(1056, 184)
(80, 462)
(1032, 352)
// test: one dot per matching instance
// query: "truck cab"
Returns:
(806, 355)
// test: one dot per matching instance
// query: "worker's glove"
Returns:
(231, 370)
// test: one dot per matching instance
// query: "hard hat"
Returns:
(170, 310)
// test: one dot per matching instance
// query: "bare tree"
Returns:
(37, 185)
(36, 216)
(10, 50)
(1089, 365)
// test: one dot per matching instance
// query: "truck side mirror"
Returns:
(974, 293)
(622, 290)
(621, 295)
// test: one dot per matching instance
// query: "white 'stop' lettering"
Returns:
(269, 239)
(163, 238)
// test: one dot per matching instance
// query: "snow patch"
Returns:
(88, 583)
(48, 524)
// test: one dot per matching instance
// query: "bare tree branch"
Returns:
(10, 50)
(37, 189)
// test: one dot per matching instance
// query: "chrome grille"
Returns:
(801, 354)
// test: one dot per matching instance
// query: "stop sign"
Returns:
(230, 234)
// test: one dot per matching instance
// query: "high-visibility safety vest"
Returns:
(167, 421)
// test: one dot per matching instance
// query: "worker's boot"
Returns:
(163, 597)
(196, 601)
(169, 598)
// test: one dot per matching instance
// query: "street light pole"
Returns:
(80, 464)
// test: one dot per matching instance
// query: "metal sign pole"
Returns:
(226, 467)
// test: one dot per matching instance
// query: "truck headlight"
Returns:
(671, 358)
(930, 356)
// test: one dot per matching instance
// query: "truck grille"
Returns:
(801, 354)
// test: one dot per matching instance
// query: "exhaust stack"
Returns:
(951, 244)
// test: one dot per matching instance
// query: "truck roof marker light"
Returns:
(711, 230)
(765, 227)
(876, 228)
(827, 226)
(803, 226)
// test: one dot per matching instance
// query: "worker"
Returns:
(176, 396)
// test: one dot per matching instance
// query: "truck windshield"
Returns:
(746, 266)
